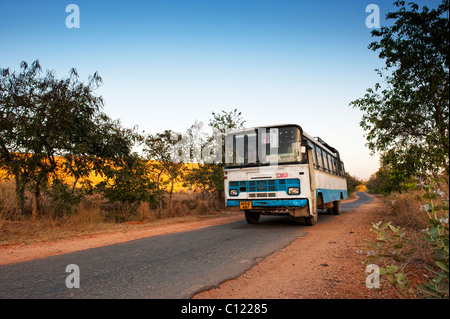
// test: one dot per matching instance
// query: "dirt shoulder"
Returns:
(324, 264)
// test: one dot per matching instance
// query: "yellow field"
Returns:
(95, 178)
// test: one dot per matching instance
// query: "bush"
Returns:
(390, 249)
(130, 185)
(406, 209)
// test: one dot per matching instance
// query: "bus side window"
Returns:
(319, 158)
(330, 161)
(314, 156)
(325, 160)
(330, 158)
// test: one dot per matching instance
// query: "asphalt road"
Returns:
(168, 266)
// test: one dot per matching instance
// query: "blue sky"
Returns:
(166, 63)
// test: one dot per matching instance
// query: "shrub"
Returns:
(390, 249)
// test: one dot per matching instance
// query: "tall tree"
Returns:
(224, 122)
(407, 116)
(159, 148)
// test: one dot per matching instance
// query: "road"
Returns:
(168, 266)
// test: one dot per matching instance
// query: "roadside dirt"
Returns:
(326, 263)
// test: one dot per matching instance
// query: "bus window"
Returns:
(240, 151)
(332, 165)
(251, 148)
(229, 149)
(319, 158)
(330, 162)
(314, 156)
(325, 161)
(332, 170)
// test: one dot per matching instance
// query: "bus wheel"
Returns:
(311, 221)
(252, 217)
(336, 210)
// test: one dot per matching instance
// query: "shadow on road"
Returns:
(288, 221)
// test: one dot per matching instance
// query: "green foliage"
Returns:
(49, 125)
(130, 184)
(437, 237)
(389, 249)
(207, 177)
(64, 198)
(389, 245)
(352, 183)
(388, 180)
(224, 122)
(159, 148)
(407, 117)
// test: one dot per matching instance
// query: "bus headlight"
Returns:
(293, 190)
(233, 192)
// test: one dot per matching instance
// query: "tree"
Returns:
(390, 177)
(352, 183)
(130, 185)
(407, 117)
(159, 149)
(207, 177)
(224, 122)
(50, 125)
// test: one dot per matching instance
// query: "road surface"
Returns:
(168, 266)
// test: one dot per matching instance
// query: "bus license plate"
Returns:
(245, 205)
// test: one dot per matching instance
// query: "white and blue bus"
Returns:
(281, 169)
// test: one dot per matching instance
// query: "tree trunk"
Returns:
(20, 194)
(36, 201)
(170, 194)
(159, 196)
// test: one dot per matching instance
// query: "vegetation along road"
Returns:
(167, 266)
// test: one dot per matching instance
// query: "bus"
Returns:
(282, 170)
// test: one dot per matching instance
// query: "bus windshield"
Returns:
(264, 146)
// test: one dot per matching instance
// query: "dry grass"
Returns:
(408, 209)
(405, 210)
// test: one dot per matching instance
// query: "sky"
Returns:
(168, 63)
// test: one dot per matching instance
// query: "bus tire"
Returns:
(311, 221)
(336, 210)
(252, 217)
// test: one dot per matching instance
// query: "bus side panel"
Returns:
(332, 188)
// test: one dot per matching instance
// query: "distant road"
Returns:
(167, 266)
